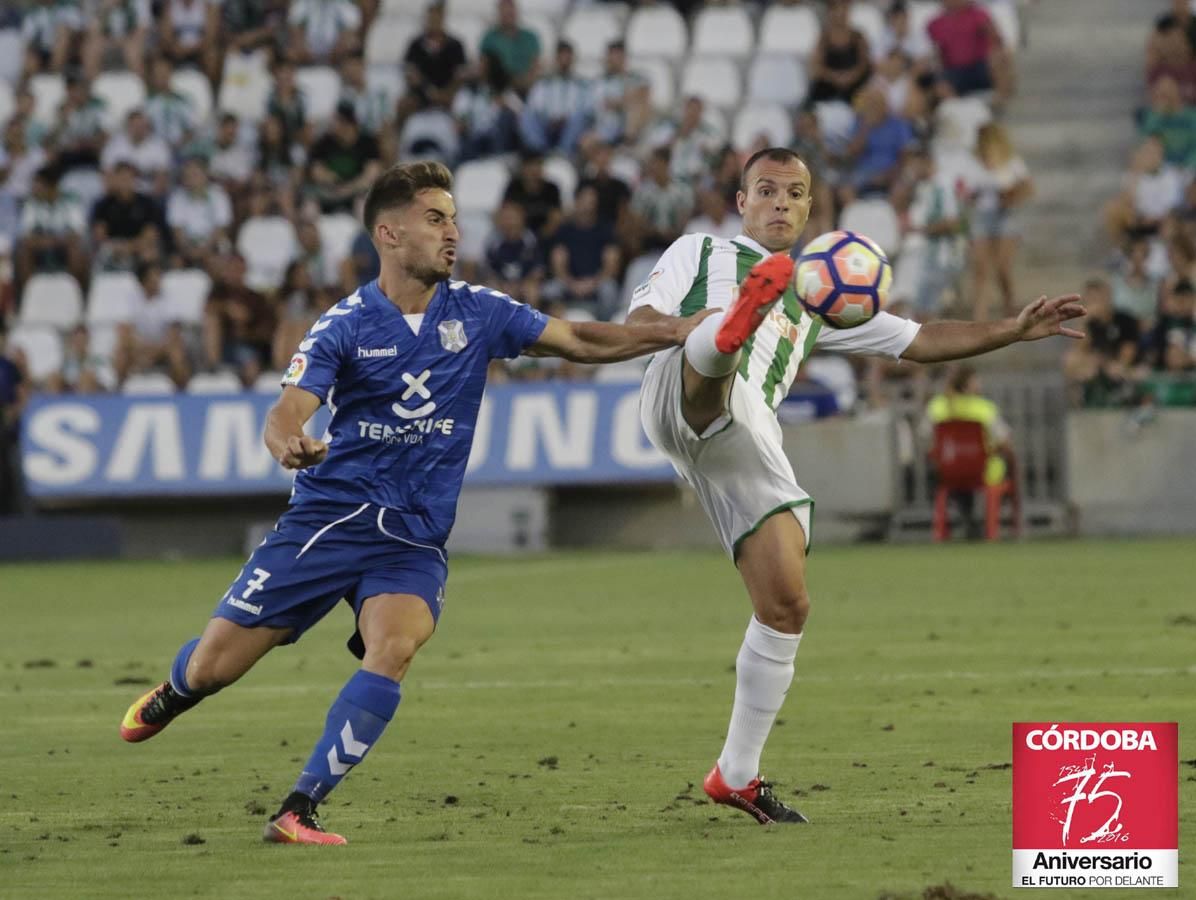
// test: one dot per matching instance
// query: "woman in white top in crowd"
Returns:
(1001, 191)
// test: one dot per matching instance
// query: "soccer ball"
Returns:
(842, 278)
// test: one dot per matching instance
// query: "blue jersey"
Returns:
(404, 405)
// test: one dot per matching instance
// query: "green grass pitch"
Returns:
(553, 736)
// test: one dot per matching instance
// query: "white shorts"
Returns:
(737, 467)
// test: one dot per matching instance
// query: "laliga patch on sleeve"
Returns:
(1096, 804)
(296, 369)
(646, 285)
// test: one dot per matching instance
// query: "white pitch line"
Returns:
(678, 681)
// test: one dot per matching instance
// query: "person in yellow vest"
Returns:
(961, 401)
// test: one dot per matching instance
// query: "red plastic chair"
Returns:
(960, 455)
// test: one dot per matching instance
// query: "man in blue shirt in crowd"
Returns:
(401, 364)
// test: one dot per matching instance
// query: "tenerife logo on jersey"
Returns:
(452, 336)
(418, 424)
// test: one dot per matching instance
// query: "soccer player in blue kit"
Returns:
(401, 364)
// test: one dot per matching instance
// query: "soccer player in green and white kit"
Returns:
(710, 406)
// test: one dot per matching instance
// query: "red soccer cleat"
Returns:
(299, 827)
(757, 800)
(152, 712)
(762, 287)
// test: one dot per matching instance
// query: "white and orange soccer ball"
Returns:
(842, 278)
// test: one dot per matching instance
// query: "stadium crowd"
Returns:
(180, 180)
(1142, 313)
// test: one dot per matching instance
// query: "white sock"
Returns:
(763, 673)
(703, 355)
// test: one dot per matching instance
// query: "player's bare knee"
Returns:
(208, 673)
(391, 654)
(788, 611)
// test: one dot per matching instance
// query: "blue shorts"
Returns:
(321, 553)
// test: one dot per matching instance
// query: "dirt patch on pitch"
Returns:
(945, 891)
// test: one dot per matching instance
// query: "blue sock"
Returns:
(356, 720)
(178, 671)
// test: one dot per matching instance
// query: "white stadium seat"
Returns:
(7, 103)
(185, 293)
(268, 244)
(545, 29)
(53, 300)
(388, 39)
(336, 237)
(468, 29)
(474, 226)
(836, 121)
(589, 29)
(1004, 16)
(148, 384)
(102, 340)
(321, 88)
(87, 186)
(388, 80)
(42, 347)
(429, 134)
(662, 80)
(122, 92)
(657, 31)
(756, 118)
(716, 119)
(113, 298)
(194, 85)
(268, 383)
(921, 12)
(49, 90)
(628, 372)
(723, 31)
(874, 218)
(559, 170)
(12, 55)
(716, 80)
(774, 78)
(869, 21)
(553, 9)
(790, 29)
(478, 185)
(481, 9)
(246, 87)
(214, 383)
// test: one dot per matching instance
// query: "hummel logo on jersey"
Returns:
(254, 608)
(375, 352)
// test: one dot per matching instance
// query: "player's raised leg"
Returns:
(712, 349)
(771, 562)
(222, 654)
(393, 627)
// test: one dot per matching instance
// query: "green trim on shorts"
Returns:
(792, 504)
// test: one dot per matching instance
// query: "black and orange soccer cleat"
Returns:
(757, 800)
(762, 288)
(298, 823)
(154, 711)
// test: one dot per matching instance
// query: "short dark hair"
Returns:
(1184, 286)
(775, 154)
(398, 185)
(959, 378)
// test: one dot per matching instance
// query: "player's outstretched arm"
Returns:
(941, 341)
(604, 342)
(284, 430)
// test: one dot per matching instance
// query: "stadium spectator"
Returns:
(147, 153)
(1101, 369)
(14, 388)
(825, 170)
(53, 231)
(1002, 190)
(199, 215)
(18, 163)
(622, 99)
(323, 275)
(126, 225)
(83, 370)
(49, 29)
(189, 34)
(151, 341)
(1170, 346)
(585, 260)
(539, 197)
(231, 161)
(1180, 17)
(842, 60)
(1151, 190)
(614, 195)
(1170, 53)
(287, 103)
(344, 162)
(171, 114)
(78, 134)
(1135, 290)
(513, 260)
(374, 107)
(239, 323)
(116, 26)
(877, 143)
(692, 140)
(714, 217)
(301, 303)
(969, 49)
(1171, 122)
(434, 65)
(250, 25)
(279, 162)
(931, 255)
(662, 204)
(361, 266)
(323, 31)
(893, 77)
(517, 48)
(900, 36)
(24, 106)
(8, 288)
(486, 111)
(559, 107)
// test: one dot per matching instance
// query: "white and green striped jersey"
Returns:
(701, 271)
